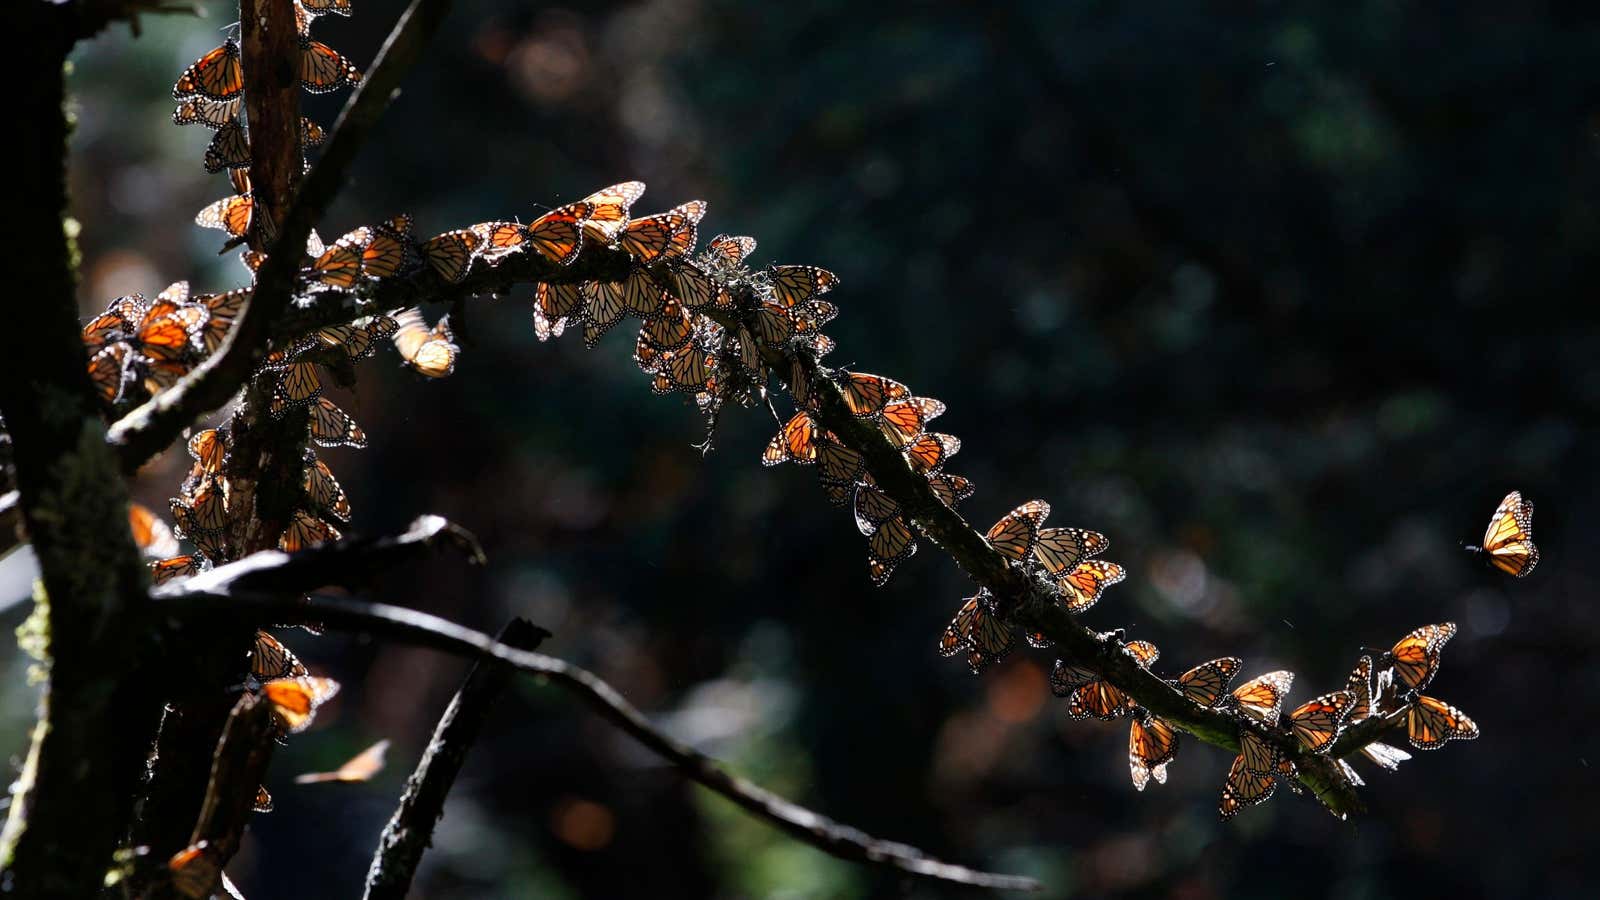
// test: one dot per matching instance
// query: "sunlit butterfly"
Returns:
(1415, 659)
(331, 427)
(324, 69)
(553, 305)
(978, 632)
(692, 287)
(1244, 789)
(321, 7)
(297, 386)
(1385, 755)
(1152, 743)
(389, 250)
(663, 235)
(796, 441)
(223, 310)
(152, 536)
(311, 134)
(210, 113)
(872, 506)
(558, 234)
(270, 659)
(865, 395)
(1017, 531)
(339, 266)
(305, 531)
(499, 238)
(727, 251)
(1097, 697)
(836, 463)
(1081, 587)
(1317, 723)
(902, 420)
(230, 214)
(1206, 683)
(110, 372)
(360, 767)
(1262, 697)
(1430, 724)
(1059, 549)
(173, 568)
(793, 285)
(215, 76)
(770, 325)
(890, 545)
(950, 489)
(229, 148)
(608, 211)
(1508, 542)
(431, 352)
(296, 700)
(929, 452)
(195, 871)
(686, 370)
(324, 492)
(451, 254)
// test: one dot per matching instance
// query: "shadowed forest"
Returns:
(1282, 297)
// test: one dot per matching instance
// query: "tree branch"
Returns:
(191, 605)
(154, 425)
(410, 829)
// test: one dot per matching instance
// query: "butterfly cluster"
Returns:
(211, 93)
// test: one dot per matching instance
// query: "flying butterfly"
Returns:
(1081, 587)
(1508, 542)
(1152, 743)
(332, 427)
(430, 352)
(360, 767)
(1262, 697)
(1206, 683)
(1017, 531)
(296, 700)
(1317, 723)
(324, 69)
(1430, 724)
(215, 76)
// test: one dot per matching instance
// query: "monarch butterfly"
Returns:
(230, 214)
(209, 507)
(1385, 755)
(296, 699)
(1059, 549)
(1094, 696)
(360, 767)
(1152, 743)
(820, 345)
(688, 369)
(1508, 542)
(305, 531)
(1262, 696)
(608, 211)
(171, 326)
(727, 251)
(388, 250)
(270, 660)
(692, 286)
(499, 238)
(639, 294)
(558, 234)
(357, 341)
(324, 69)
(173, 568)
(663, 235)
(836, 463)
(1430, 724)
(929, 452)
(311, 134)
(451, 254)
(322, 7)
(1359, 684)
(553, 305)
(872, 506)
(110, 371)
(770, 325)
(298, 385)
(1081, 587)
(808, 318)
(210, 113)
(152, 535)
(1244, 789)
(794, 285)
(229, 148)
(1317, 723)
(223, 309)
(323, 490)
(1017, 531)
(891, 544)
(950, 489)
(430, 352)
(252, 260)
(1206, 683)
(796, 440)
(977, 630)
(902, 420)
(670, 330)
(339, 266)
(331, 427)
(215, 76)
(1415, 659)
(866, 395)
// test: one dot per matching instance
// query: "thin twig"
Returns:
(188, 604)
(410, 829)
(154, 425)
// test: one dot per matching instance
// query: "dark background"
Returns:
(1282, 296)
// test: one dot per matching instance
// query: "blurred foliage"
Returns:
(1281, 296)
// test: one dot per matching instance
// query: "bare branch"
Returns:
(410, 829)
(191, 605)
(154, 425)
